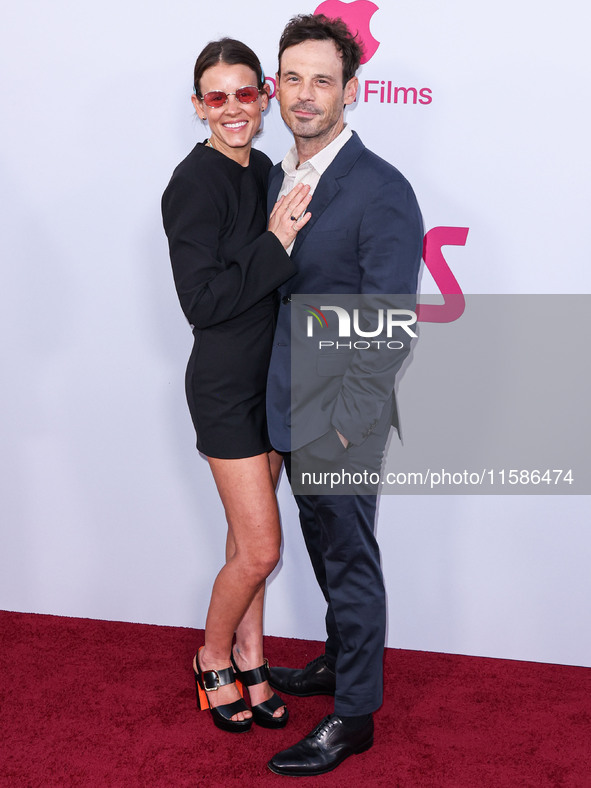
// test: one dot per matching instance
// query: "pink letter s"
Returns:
(453, 298)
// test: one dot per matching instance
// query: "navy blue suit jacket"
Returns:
(365, 236)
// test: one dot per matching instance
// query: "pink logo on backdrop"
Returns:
(356, 16)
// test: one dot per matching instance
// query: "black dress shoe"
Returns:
(315, 679)
(322, 750)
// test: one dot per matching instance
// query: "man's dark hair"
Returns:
(317, 27)
(231, 52)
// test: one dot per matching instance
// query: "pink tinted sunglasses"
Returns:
(217, 98)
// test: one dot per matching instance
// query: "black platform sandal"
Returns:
(207, 681)
(262, 713)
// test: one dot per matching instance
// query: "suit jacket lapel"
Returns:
(327, 188)
(324, 193)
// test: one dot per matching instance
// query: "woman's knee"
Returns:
(259, 563)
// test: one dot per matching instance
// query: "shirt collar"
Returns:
(321, 160)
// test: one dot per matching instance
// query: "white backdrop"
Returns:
(107, 509)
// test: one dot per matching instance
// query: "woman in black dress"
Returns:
(227, 264)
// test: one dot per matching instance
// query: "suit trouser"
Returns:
(339, 535)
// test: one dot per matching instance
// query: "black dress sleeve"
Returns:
(212, 289)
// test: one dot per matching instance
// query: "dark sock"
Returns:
(355, 723)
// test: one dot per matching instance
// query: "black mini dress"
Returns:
(226, 269)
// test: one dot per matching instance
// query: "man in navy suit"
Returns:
(364, 237)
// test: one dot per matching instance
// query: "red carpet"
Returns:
(97, 703)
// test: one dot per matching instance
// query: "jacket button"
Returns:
(286, 299)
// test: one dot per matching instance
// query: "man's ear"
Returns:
(351, 90)
(277, 78)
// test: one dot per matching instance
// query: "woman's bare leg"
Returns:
(247, 492)
(248, 650)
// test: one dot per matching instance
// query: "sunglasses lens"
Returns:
(247, 95)
(215, 98)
